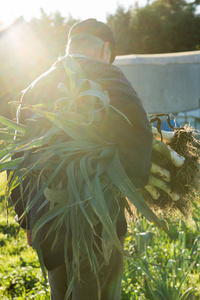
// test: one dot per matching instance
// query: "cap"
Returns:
(98, 29)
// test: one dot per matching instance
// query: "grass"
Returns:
(20, 273)
(162, 269)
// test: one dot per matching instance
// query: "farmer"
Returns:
(92, 45)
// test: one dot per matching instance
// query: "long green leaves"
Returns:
(71, 163)
(12, 124)
(10, 165)
(118, 176)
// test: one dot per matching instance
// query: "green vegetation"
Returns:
(159, 27)
(160, 268)
(163, 269)
(20, 274)
(80, 175)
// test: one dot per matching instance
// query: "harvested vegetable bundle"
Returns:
(175, 168)
(65, 156)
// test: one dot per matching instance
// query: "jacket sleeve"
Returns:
(134, 140)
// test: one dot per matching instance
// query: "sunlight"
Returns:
(23, 58)
(12, 10)
(22, 44)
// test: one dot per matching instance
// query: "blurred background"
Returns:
(152, 37)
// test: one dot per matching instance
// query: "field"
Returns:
(161, 268)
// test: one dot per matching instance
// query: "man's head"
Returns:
(92, 38)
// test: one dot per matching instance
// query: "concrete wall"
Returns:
(167, 83)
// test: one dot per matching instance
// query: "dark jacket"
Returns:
(134, 142)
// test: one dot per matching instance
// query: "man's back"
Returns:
(131, 137)
(133, 141)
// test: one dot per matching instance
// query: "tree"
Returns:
(120, 24)
(160, 27)
(27, 49)
(52, 31)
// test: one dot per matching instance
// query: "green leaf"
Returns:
(12, 124)
(10, 165)
(107, 245)
(40, 192)
(98, 204)
(182, 282)
(72, 146)
(118, 176)
(64, 89)
(100, 208)
(73, 185)
(35, 143)
(71, 65)
(48, 216)
(40, 257)
(5, 153)
(76, 130)
(56, 196)
(105, 100)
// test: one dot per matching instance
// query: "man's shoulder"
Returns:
(96, 69)
(45, 86)
(90, 67)
(85, 61)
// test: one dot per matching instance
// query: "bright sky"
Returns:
(80, 9)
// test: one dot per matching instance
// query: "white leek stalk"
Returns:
(166, 135)
(161, 147)
(163, 173)
(152, 190)
(163, 186)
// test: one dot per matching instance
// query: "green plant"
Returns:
(163, 268)
(68, 153)
(165, 285)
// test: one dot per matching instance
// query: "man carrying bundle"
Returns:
(92, 45)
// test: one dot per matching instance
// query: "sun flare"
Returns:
(12, 10)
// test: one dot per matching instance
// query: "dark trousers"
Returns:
(110, 281)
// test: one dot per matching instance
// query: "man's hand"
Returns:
(28, 235)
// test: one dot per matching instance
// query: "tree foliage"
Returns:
(161, 27)
(120, 23)
(27, 49)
